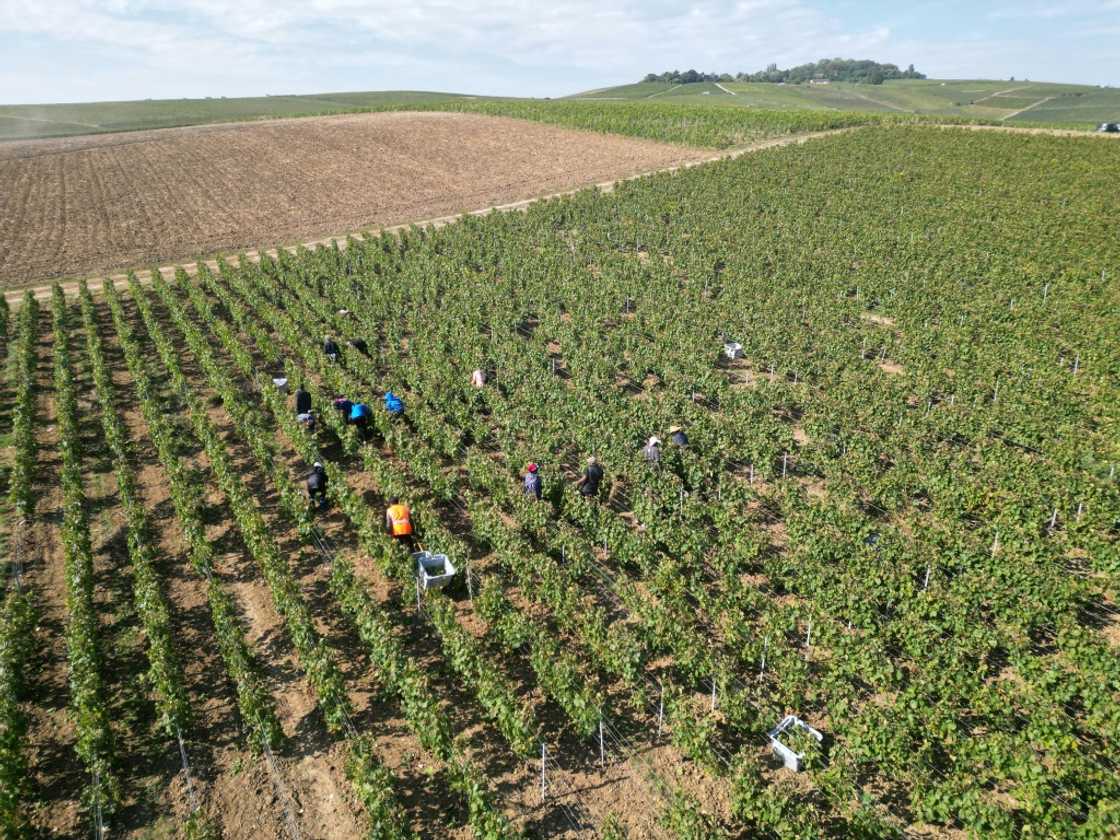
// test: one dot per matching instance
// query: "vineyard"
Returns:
(897, 517)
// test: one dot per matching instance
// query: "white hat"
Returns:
(655, 441)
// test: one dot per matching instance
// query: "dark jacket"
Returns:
(317, 482)
(592, 476)
(330, 347)
(303, 401)
(532, 485)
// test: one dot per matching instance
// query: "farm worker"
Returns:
(393, 404)
(307, 420)
(303, 400)
(360, 414)
(330, 347)
(652, 451)
(532, 484)
(678, 437)
(588, 484)
(343, 406)
(478, 378)
(398, 520)
(360, 345)
(317, 485)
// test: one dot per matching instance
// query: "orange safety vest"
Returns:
(400, 522)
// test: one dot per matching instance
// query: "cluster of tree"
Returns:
(832, 69)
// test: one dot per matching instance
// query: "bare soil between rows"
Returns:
(81, 206)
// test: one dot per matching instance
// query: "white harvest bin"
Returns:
(789, 758)
(733, 350)
(433, 571)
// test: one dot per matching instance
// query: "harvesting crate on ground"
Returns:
(791, 724)
(434, 571)
(733, 350)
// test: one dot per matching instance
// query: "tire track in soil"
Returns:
(311, 761)
(56, 773)
(232, 784)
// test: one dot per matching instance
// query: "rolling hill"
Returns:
(997, 100)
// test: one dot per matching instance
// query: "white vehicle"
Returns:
(1109, 128)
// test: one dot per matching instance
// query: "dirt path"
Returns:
(1028, 108)
(884, 104)
(997, 93)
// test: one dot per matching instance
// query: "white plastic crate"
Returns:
(733, 350)
(789, 758)
(433, 571)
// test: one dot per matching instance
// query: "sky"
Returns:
(90, 50)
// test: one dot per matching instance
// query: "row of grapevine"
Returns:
(462, 653)
(359, 606)
(557, 671)
(694, 736)
(165, 674)
(556, 674)
(22, 361)
(17, 621)
(372, 782)
(88, 704)
(254, 702)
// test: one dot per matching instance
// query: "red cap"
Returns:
(532, 468)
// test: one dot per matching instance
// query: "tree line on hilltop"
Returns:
(833, 69)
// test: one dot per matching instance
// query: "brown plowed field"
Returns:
(83, 205)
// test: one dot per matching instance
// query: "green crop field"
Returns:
(1080, 106)
(981, 101)
(896, 516)
(19, 122)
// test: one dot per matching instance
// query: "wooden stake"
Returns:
(713, 693)
(1053, 520)
(602, 749)
(543, 783)
(661, 711)
(925, 585)
(785, 458)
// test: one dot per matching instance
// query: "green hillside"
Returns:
(1004, 101)
(20, 122)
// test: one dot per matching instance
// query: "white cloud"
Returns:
(236, 47)
(608, 40)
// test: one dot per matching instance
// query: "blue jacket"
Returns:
(393, 403)
(359, 411)
(533, 485)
